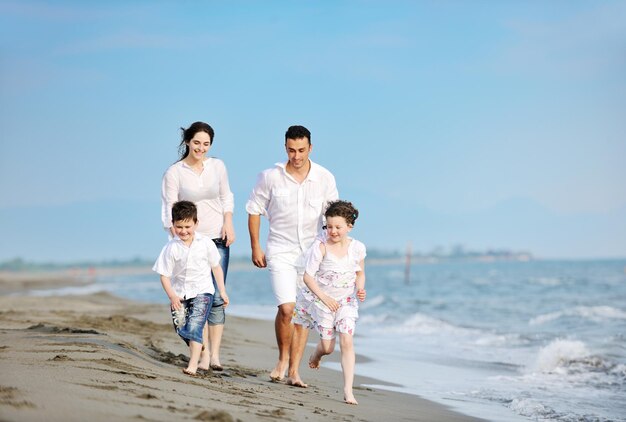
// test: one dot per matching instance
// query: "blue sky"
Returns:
(481, 123)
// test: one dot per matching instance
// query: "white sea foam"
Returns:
(423, 324)
(591, 313)
(557, 355)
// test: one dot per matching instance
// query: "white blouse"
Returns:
(209, 190)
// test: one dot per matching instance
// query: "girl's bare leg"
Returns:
(324, 347)
(347, 365)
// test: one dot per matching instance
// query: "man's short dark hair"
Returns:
(297, 132)
(184, 210)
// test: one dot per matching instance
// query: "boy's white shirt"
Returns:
(189, 267)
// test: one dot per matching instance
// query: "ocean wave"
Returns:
(574, 360)
(423, 324)
(592, 313)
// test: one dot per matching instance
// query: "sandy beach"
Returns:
(102, 358)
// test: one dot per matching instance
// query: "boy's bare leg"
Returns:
(347, 365)
(195, 349)
(205, 355)
(298, 344)
(324, 347)
(284, 333)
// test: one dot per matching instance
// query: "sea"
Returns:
(505, 341)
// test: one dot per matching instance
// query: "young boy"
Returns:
(185, 266)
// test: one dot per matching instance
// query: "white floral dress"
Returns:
(337, 278)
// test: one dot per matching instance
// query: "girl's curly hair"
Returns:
(345, 209)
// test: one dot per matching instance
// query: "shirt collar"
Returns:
(313, 171)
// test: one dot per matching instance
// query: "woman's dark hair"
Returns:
(189, 133)
(343, 209)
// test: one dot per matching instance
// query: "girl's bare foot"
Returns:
(314, 361)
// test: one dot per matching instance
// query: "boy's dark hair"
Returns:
(184, 210)
(343, 209)
(297, 132)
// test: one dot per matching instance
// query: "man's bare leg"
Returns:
(284, 333)
(298, 344)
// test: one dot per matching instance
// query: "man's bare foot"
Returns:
(278, 373)
(296, 382)
(314, 361)
(349, 398)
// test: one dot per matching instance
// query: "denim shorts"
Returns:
(197, 314)
(217, 315)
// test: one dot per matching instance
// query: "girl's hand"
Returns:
(332, 304)
(360, 294)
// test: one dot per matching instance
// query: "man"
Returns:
(293, 197)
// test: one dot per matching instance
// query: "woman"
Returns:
(204, 181)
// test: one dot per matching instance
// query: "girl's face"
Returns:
(337, 229)
(199, 145)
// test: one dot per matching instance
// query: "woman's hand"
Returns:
(228, 232)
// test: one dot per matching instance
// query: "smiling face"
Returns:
(185, 230)
(337, 229)
(199, 145)
(298, 151)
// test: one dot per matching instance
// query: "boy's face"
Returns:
(185, 229)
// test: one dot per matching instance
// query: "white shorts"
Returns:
(286, 273)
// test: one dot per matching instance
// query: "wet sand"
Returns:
(102, 358)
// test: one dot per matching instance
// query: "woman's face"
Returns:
(199, 145)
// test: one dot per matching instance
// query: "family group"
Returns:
(316, 269)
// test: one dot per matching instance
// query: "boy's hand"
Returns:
(175, 303)
(360, 294)
(225, 298)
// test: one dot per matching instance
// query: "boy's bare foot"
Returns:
(278, 373)
(188, 372)
(349, 398)
(314, 361)
(296, 382)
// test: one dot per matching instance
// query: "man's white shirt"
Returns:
(294, 210)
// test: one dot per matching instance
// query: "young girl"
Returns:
(334, 278)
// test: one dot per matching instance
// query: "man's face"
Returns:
(298, 151)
